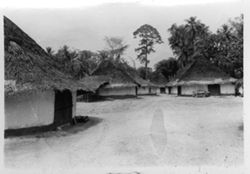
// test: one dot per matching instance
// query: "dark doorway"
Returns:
(179, 90)
(169, 90)
(214, 89)
(162, 90)
(63, 107)
(136, 90)
(149, 90)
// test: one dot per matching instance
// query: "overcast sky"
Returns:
(85, 28)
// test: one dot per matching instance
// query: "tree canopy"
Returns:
(223, 48)
(167, 67)
(187, 39)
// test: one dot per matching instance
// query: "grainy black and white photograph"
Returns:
(129, 85)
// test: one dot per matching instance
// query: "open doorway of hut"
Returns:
(136, 90)
(179, 90)
(169, 90)
(214, 89)
(163, 90)
(63, 107)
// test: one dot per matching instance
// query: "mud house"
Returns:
(144, 87)
(201, 75)
(160, 81)
(37, 95)
(94, 83)
(120, 83)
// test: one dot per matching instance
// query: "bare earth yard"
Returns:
(148, 131)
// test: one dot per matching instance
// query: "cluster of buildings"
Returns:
(38, 96)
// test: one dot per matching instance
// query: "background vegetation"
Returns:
(223, 48)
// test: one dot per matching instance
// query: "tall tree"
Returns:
(149, 36)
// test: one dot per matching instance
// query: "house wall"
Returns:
(154, 90)
(158, 91)
(145, 90)
(188, 90)
(29, 109)
(174, 90)
(118, 91)
(228, 89)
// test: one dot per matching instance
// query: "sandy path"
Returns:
(151, 131)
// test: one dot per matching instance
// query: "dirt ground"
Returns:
(148, 131)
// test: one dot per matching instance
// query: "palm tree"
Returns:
(188, 39)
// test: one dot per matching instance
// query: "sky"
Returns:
(85, 28)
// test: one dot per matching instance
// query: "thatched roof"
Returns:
(95, 82)
(137, 79)
(118, 77)
(200, 71)
(159, 80)
(28, 66)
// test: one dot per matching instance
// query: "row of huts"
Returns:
(38, 96)
(201, 74)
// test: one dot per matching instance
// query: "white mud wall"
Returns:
(118, 91)
(228, 88)
(188, 90)
(29, 109)
(143, 90)
(174, 90)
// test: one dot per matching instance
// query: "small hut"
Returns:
(120, 83)
(144, 87)
(37, 95)
(160, 81)
(201, 74)
(93, 83)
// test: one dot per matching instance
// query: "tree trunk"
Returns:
(146, 68)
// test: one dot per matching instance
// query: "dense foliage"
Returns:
(223, 48)
(167, 67)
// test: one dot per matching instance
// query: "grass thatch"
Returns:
(159, 79)
(200, 71)
(95, 82)
(29, 65)
(117, 75)
(137, 79)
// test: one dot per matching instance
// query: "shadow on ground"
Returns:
(112, 99)
(67, 130)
